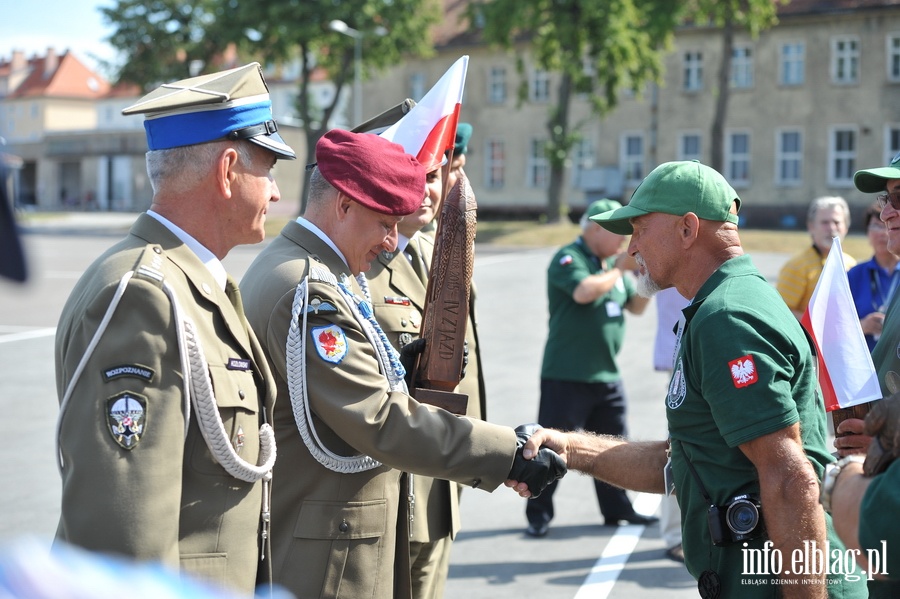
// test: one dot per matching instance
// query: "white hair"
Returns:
(178, 168)
(827, 202)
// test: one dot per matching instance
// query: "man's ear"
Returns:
(688, 229)
(226, 172)
(343, 206)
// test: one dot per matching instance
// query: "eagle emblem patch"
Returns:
(330, 342)
(126, 417)
(743, 371)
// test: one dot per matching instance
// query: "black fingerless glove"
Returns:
(541, 470)
(408, 355)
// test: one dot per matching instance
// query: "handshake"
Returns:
(542, 469)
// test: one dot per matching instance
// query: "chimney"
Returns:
(51, 62)
(18, 61)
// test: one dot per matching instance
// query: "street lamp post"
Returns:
(342, 27)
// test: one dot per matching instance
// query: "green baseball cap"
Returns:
(874, 180)
(601, 206)
(676, 188)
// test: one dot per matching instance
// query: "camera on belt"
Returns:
(740, 519)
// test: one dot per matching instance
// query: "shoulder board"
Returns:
(149, 265)
(319, 272)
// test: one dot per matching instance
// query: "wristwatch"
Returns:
(832, 471)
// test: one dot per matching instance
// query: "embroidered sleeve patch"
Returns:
(126, 418)
(743, 371)
(330, 342)
(565, 260)
(131, 370)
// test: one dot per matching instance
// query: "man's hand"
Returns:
(854, 439)
(530, 475)
(408, 355)
(883, 424)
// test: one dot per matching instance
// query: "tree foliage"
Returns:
(598, 47)
(165, 40)
(752, 16)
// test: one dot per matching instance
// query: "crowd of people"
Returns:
(269, 433)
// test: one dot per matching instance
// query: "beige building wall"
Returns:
(868, 109)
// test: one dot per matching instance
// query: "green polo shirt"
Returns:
(744, 369)
(583, 339)
(886, 354)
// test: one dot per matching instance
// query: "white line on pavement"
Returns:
(36, 333)
(600, 580)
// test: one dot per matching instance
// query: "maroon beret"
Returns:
(373, 171)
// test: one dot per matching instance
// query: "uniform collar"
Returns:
(206, 257)
(321, 235)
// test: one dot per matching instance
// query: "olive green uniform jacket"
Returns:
(333, 534)
(165, 498)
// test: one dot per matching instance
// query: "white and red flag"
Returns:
(429, 129)
(846, 372)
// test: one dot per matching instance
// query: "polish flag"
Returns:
(846, 372)
(429, 128)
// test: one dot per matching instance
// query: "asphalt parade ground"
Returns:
(492, 557)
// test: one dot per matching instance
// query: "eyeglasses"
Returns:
(892, 197)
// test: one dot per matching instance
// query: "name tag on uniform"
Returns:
(613, 309)
(237, 364)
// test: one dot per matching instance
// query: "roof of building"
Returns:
(55, 75)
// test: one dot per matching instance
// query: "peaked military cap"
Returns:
(232, 104)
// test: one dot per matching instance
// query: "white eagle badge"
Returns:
(743, 371)
(331, 343)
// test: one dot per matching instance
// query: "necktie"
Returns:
(234, 295)
(417, 260)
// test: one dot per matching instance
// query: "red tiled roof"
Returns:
(70, 79)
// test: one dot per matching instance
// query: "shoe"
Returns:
(675, 553)
(537, 530)
(634, 518)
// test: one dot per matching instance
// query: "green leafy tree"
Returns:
(170, 39)
(730, 16)
(598, 48)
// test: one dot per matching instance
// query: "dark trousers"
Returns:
(594, 407)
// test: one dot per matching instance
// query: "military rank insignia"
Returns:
(330, 342)
(126, 417)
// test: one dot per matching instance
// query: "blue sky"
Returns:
(35, 25)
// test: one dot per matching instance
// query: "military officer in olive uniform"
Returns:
(164, 435)
(345, 425)
(397, 284)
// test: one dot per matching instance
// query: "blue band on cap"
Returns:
(198, 127)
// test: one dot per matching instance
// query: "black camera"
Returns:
(738, 520)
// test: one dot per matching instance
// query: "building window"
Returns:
(689, 146)
(539, 86)
(632, 158)
(737, 159)
(793, 63)
(417, 86)
(893, 57)
(742, 67)
(582, 160)
(845, 60)
(789, 157)
(495, 164)
(842, 156)
(891, 142)
(497, 85)
(693, 71)
(538, 166)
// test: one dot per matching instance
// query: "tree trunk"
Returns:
(724, 83)
(558, 152)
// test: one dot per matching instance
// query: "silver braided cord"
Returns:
(210, 421)
(296, 379)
